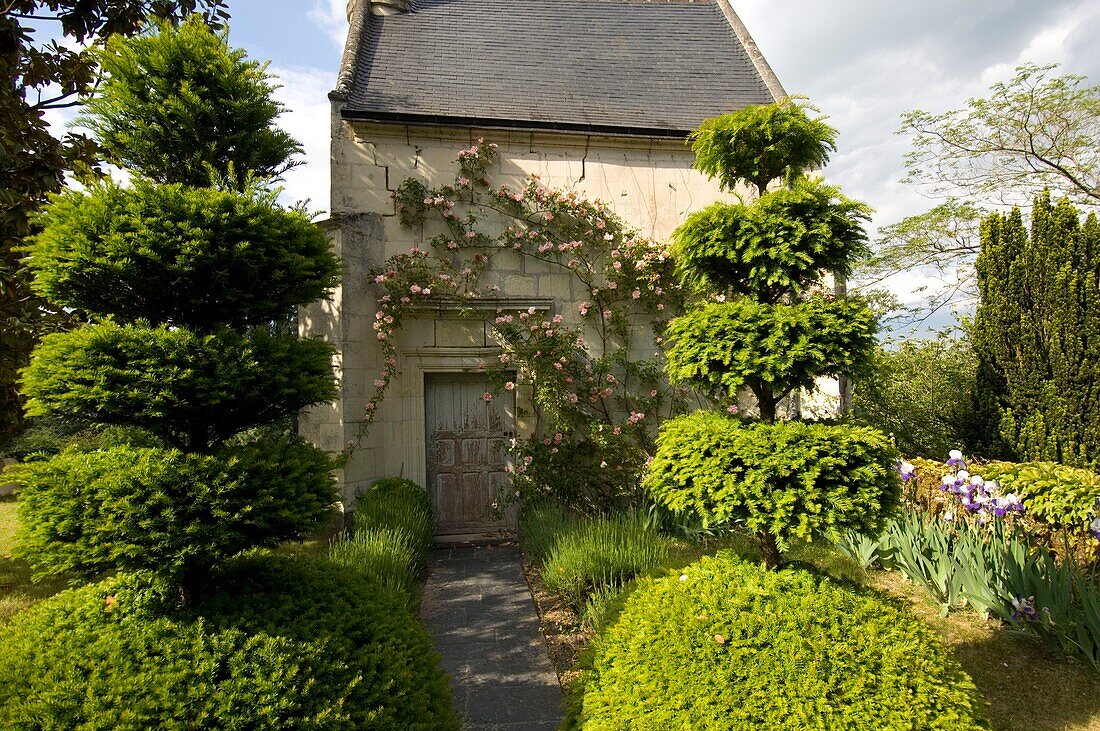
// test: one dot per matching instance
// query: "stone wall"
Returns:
(648, 182)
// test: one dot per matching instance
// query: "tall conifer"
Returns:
(1037, 336)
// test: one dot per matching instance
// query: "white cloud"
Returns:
(304, 92)
(865, 64)
(332, 16)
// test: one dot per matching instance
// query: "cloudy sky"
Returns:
(863, 62)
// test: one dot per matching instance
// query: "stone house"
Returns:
(596, 96)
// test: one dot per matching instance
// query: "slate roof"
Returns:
(626, 66)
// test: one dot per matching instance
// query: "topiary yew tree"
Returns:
(185, 288)
(771, 326)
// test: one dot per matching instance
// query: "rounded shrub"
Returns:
(369, 630)
(728, 646)
(788, 479)
(278, 643)
(172, 254)
(170, 380)
(104, 657)
(164, 510)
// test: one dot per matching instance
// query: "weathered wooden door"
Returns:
(468, 451)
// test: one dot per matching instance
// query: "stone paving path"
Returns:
(483, 621)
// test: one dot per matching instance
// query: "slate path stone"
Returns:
(483, 621)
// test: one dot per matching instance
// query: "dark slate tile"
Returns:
(665, 65)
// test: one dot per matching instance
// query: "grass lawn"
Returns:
(1029, 686)
(17, 591)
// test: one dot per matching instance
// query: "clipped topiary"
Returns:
(369, 630)
(199, 257)
(781, 480)
(762, 143)
(772, 349)
(777, 244)
(281, 643)
(727, 646)
(182, 105)
(170, 381)
(185, 288)
(771, 325)
(167, 511)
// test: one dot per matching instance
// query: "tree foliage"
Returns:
(759, 144)
(1037, 336)
(920, 394)
(1036, 131)
(181, 255)
(941, 243)
(181, 106)
(41, 75)
(197, 276)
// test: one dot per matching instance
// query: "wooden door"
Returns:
(468, 441)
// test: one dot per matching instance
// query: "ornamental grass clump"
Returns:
(725, 646)
(189, 276)
(769, 324)
(602, 554)
(390, 537)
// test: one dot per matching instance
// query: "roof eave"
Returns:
(512, 124)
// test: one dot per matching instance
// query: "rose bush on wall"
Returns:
(590, 390)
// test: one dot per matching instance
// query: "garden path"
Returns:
(481, 616)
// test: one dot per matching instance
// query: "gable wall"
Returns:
(648, 182)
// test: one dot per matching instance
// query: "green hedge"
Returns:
(172, 254)
(792, 479)
(192, 388)
(1055, 496)
(167, 511)
(278, 643)
(728, 646)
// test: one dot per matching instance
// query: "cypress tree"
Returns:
(1037, 336)
(182, 364)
